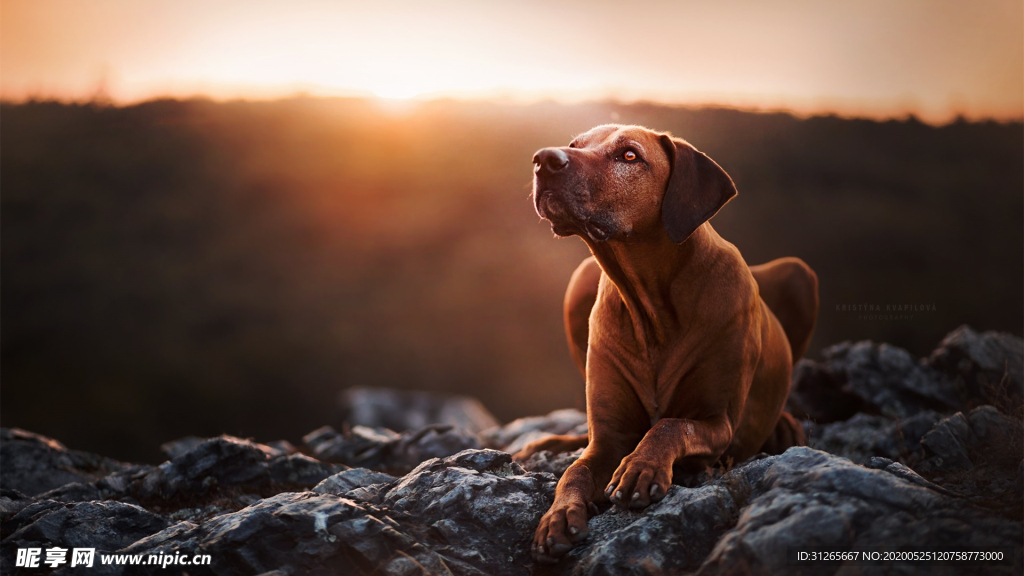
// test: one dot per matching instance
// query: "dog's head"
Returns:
(616, 182)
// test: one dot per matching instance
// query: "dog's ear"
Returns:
(697, 189)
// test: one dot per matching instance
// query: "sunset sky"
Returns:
(878, 58)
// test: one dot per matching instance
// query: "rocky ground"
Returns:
(904, 452)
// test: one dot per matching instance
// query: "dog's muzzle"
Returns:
(556, 196)
(549, 169)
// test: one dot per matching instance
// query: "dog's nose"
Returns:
(550, 160)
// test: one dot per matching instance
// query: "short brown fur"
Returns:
(686, 351)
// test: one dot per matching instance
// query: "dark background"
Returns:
(191, 267)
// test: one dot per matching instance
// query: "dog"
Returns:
(687, 352)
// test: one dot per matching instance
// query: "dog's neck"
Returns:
(646, 274)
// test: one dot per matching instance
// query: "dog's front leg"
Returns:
(613, 421)
(646, 474)
(565, 523)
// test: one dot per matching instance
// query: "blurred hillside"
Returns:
(193, 267)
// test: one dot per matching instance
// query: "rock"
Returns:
(281, 448)
(300, 470)
(967, 369)
(991, 426)
(358, 443)
(116, 485)
(555, 464)
(987, 367)
(565, 421)
(984, 436)
(430, 442)
(227, 462)
(810, 498)
(297, 533)
(105, 526)
(865, 436)
(12, 502)
(902, 468)
(671, 536)
(33, 464)
(898, 469)
(383, 450)
(480, 506)
(74, 492)
(344, 482)
(471, 513)
(474, 513)
(948, 444)
(176, 448)
(405, 410)
(872, 378)
(218, 462)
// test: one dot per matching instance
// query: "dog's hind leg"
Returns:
(788, 432)
(790, 289)
(556, 444)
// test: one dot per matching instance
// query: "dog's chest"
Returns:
(656, 377)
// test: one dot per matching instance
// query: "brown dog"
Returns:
(686, 350)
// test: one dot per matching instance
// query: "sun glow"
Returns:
(935, 60)
(396, 92)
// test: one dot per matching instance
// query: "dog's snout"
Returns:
(550, 160)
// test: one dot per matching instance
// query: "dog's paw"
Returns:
(561, 527)
(638, 481)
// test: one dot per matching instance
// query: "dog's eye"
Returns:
(629, 156)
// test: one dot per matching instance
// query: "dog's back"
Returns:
(787, 285)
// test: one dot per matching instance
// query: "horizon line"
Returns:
(519, 99)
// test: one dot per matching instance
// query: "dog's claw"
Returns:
(656, 493)
(608, 491)
(561, 548)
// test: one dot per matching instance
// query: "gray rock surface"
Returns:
(978, 456)
(966, 370)
(405, 410)
(383, 449)
(471, 513)
(474, 513)
(872, 378)
(865, 436)
(919, 461)
(516, 434)
(33, 464)
(228, 463)
(671, 536)
(554, 464)
(987, 367)
(12, 502)
(807, 497)
(344, 482)
(105, 526)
